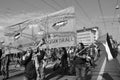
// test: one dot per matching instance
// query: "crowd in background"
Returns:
(77, 59)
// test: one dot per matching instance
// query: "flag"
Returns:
(108, 48)
(17, 36)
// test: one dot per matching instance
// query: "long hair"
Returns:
(82, 45)
(65, 51)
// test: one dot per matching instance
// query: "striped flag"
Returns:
(17, 36)
(108, 48)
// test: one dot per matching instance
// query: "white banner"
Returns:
(60, 21)
(62, 39)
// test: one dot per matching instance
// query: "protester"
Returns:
(64, 61)
(35, 63)
(71, 60)
(119, 49)
(41, 64)
(1, 52)
(53, 54)
(79, 62)
(5, 61)
(30, 71)
(93, 54)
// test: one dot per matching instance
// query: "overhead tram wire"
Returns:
(101, 11)
(81, 8)
(54, 8)
(29, 4)
(65, 1)
(62, 7)
(117, 3)
(39, 7)
(57, 3)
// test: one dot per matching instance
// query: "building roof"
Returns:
(87, 29)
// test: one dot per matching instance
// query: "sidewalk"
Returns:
(14, 72)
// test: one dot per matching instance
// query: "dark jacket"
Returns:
(30, 71)
(78, 60)
(64, 58)
(41, 56)
(1, 53)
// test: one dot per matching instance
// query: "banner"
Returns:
(61, 21)
(59, 24)
(62, 39)
(54, 40)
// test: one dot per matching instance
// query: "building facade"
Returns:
(87, 35)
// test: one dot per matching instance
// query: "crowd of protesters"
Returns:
(75, 59)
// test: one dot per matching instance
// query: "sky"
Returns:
(89, 13)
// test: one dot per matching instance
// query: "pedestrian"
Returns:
(71, 60)
(79, 62)
(5, 62)
(30, 71)
(41, 68)
(53, 55)
(5, 67)
(64, 61)
(118, 48)
(34, 58)
(1, 52)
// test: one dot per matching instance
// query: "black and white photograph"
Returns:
(59, 39)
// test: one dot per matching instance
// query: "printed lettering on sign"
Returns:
(61, 39)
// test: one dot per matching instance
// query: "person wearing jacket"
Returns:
(79, 62)
(1, 52)
(41, 63)
(30, 70)
(64, 61)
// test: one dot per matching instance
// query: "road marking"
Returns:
(102, 70)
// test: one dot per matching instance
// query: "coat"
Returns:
(78, 60)
(30, 70)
